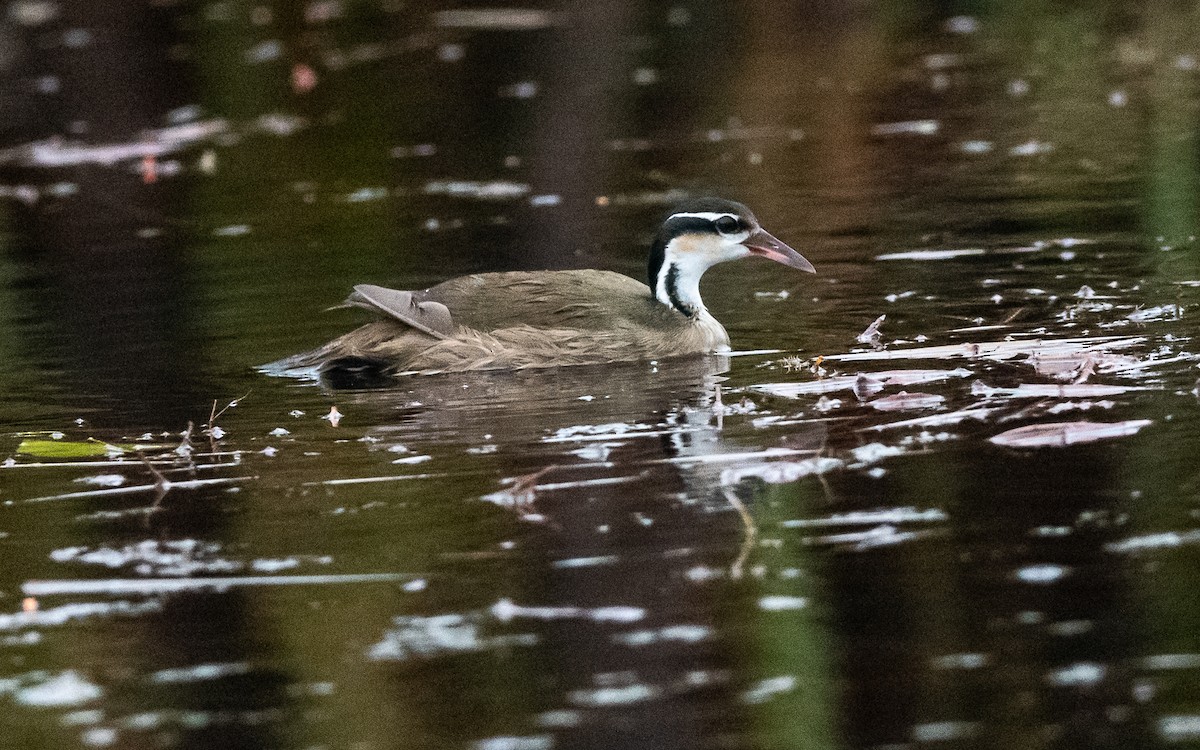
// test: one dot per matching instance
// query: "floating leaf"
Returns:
(71, 448)
(1162, 312)
(867, 384)
(904, 401)
(998, 350)
(872, 335)
(1048, 390)
(979, 413)
(1059, 434)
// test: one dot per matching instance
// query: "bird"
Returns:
(530, 319)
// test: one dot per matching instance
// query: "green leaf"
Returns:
(70, 448)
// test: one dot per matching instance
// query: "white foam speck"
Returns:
(960, 661)
(81, 718)
(98, 736)
(1179, 728)
(425, 637)
(586, 562)
(199, 672)
(943, 731)
(1172, 661)
(962, 25)
(871, 518)
(103, 480)
(908, 127)
(77, 611)
(670, 633)
(782, 603)
(1077, 675)
(1042, 574)
(873, 452)
(505, 610)
(1155, 541)
(68, 688)
(763, 690)
(413, 460)
(614, 696)
(534, 742)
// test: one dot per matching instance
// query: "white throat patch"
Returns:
(686, 259)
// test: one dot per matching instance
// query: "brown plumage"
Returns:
(518, 320)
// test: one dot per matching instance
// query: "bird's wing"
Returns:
(428, 316)
(588, 300)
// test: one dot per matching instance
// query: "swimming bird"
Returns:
(523, 319)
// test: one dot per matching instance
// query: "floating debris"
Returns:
(905, 401)
(871, 336)
(873, 452)
(1151, 314)
(505, 610)
(780, 472)
(870, 518)
(880, 536)
(158, 586)
(1066, 433)
(58, 152)
(866, 386)
(421, 637)
(162, 486)
(520, 496)
(1048, 390)
(1069, 368)
(372, 480)
(851, 382)
(58, 448)
(998, 350)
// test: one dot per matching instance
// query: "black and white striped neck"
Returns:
(676, 280)
(669, 292)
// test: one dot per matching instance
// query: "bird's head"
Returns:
(700, 234)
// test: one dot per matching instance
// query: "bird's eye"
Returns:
(727, 225)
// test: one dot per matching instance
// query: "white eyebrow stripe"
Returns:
(707, 216)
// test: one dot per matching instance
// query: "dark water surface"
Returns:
(756, 551)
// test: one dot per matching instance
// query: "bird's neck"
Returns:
(677, 285)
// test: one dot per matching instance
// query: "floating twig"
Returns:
(750, 536)
(156, 586)
(189, 484)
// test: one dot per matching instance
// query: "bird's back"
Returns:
(590, 300)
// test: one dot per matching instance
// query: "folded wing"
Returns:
(428, 316)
